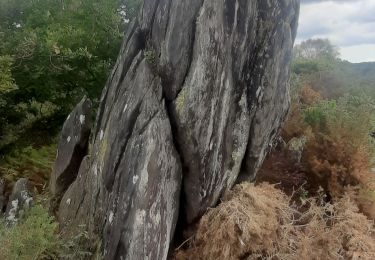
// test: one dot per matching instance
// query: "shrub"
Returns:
(316, 115)
(34, 237)
(339, 150)
(258, 222)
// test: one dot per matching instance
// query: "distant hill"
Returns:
(360, 76)
(365, 69)
(345, 77)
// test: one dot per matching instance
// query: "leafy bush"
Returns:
(316, 115)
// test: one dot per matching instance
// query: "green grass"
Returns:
(34, 237)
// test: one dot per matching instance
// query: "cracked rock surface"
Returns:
(195, 99)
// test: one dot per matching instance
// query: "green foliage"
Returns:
(316, 115)
(311, 66)
(6, 80)
(34, 237)
(61, 48)
(51, 54)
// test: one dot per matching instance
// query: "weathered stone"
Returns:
(72, 147)
(198, 92)
(131, 182)
(2, 198)
(72, 202)
(20, 200)
(234, 96)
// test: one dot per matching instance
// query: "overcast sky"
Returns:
(349, 24)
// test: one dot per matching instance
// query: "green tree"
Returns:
(316, 49)
(55, 52)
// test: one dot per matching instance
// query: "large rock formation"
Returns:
(193, 103)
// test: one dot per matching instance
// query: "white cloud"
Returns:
(348, 24)
(358, 53)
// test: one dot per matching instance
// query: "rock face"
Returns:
(192, 105)
(72, 147)
(20, 200)
(2, 198)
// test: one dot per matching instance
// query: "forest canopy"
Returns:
(51, 54)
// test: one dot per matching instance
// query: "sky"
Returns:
(348, 24)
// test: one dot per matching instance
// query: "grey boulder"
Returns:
(72, 147)
(20, 200)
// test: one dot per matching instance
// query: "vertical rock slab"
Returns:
(269, 92)
(128, 188)
(198, 93)
(72, 147)
(234, 96)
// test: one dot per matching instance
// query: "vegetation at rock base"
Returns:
(51, 54)
(261, 223)
(36, 236)
(322, 205)
(33, 238)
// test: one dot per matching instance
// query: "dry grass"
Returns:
(258, 222)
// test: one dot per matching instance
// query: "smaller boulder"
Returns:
(72, 147)
(20, 200)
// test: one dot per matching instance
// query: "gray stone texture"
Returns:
(193, 103)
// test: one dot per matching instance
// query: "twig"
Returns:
(183, 243)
